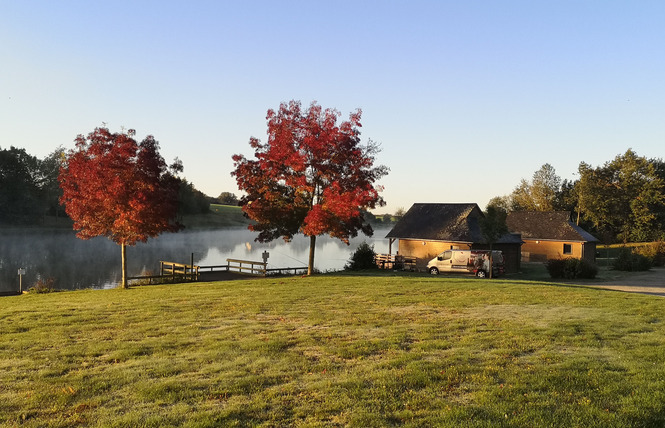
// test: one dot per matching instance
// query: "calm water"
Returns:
(75, 263)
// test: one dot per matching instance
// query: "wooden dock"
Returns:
(234, 269)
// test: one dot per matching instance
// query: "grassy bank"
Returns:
(219, 216)
(334, 351)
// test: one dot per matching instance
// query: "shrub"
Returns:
(555, 267)
(362, 258)
(654, 252)
(43, 286)
(571, 268)
(626, 260)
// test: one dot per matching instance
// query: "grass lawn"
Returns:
(334, 351)
(219, 216)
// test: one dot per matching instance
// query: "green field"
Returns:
(334, 351)
(218, 217)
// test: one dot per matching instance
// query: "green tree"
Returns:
(624, 197)
(503, 203)
(493, 227)
(362, 258)
(191, 200)
(19, 192)
(227, 198)
(47, 181)
(538, 195)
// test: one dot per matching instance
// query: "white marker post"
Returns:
(21, 272)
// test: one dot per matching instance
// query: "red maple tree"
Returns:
(115, 187)
(312, 176)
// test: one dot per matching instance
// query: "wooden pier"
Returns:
(234, 269)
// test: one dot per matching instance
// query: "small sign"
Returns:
(21, 271)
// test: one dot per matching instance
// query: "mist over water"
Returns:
(75, 263)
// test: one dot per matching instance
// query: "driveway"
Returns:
(650, 282)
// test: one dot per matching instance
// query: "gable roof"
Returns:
(547, 225)
(444, 222)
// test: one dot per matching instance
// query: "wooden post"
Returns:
(124, 265)
(312, 246)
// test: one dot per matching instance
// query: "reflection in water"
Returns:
(74, 263)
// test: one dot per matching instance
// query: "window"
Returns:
(567, 249)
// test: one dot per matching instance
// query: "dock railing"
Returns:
(172, 269)
(247, 267)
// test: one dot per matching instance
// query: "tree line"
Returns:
(622, 200)
(30, 191)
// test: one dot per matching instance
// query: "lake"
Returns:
(75, 263)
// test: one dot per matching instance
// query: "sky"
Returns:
(466, 98)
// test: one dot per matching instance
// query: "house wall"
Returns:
(512, 256)
(541, 251)
(427, 250)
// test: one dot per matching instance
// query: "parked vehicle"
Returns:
(467, 261)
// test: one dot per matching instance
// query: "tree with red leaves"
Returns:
(313, 177)
(115, 187)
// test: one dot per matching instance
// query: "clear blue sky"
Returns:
(465, 97)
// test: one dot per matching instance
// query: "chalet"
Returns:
(427, 230)
(550, 235)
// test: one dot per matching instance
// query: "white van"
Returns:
(467, 261)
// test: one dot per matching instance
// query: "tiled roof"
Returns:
(444, 222)
(547, 225)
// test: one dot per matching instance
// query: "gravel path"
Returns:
(650, 282)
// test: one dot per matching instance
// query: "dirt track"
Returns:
(650, 282)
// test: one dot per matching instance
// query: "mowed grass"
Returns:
(219, 216)
(334, 351)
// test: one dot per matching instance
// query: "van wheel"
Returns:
(481, 274)
(434, 271)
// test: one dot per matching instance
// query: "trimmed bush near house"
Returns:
(571, 268)
(362, 258)
(627, 260)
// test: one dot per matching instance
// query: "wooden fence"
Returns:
(172, 269)
(247, 267)
(396, 262)
(252, 268)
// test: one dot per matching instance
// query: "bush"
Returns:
(362, 258)
(571, 268)
(555, 267)
(654, 252)
(626, 260)
(43, 286)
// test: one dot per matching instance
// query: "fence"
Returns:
(190, 272)
(396, 262)
(249, 268)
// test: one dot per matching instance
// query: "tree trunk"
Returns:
(124, 265)
(491, 263)
(312, 247)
